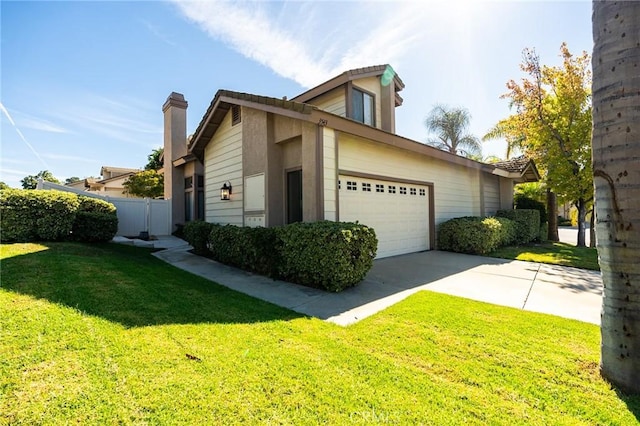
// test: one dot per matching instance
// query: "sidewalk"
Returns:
(567, 292)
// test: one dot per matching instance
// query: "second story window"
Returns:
(363, 107)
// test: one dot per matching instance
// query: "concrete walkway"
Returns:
(566, 292)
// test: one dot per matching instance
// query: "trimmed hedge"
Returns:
(29, 215)
(475, 235)
(508, 231)
(96, 220)
(94, 226)
(251, 249)
(196, 233)
(95, 205)
(328, 255)
(525, 203)
(527, 223)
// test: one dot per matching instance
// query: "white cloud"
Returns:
(26, 121)
(310, 42)
(69, 158)
(122, 119)
(157, 32)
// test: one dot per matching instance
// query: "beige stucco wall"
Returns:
(223, 162)
(333, 101)
(330, 174)
(456, 188)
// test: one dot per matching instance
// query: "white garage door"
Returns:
(398, 212)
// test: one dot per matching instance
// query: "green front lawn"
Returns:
(553, 253)
(107, 334)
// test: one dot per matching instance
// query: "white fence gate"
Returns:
(135, 215)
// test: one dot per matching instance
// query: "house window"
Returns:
(235, 115)
(403, 190)
(412, 191)
(363, 107)
(423, 192)
(352, 186)
(379, 188)
(188, 182)
(392, 189)
(366, 187)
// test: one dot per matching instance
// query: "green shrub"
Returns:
(329, 255)
(251, 249)
(527, 223)
(475, 235)
(543, 235)
(197, 233)
(95, 205)
(508, 231)
(523, 202)
(563, 221)
(96, 220)
(94, 227)
(29, 215)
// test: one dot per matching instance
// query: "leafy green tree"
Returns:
(155, 160)
(616, 149)
(148, 183)
(72, 179)
(3, 186)
(552, 125)
(31, 181)
(450, 128)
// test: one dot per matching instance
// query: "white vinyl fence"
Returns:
(135, 215)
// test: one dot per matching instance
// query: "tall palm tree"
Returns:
(450, 127)
(616, 149)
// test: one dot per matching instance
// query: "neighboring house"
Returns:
(111, 182)
(330, 153)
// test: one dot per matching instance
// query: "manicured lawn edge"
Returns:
(551, 253)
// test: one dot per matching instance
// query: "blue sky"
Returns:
(83, 83)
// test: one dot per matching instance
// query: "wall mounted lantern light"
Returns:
(225, 191)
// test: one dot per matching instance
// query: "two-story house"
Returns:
(330, 153)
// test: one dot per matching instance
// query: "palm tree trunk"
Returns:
(616, 150)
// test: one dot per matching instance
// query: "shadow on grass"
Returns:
(128, 285)
(632, 401)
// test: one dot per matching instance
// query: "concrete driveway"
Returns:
(567, 292)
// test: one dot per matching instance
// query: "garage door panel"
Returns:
(398, 212)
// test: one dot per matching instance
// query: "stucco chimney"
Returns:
(175, 146)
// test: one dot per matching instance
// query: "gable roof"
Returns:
(224, 99)
(354, 74)
(117, 170)
(222, 102)
(521, 168)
